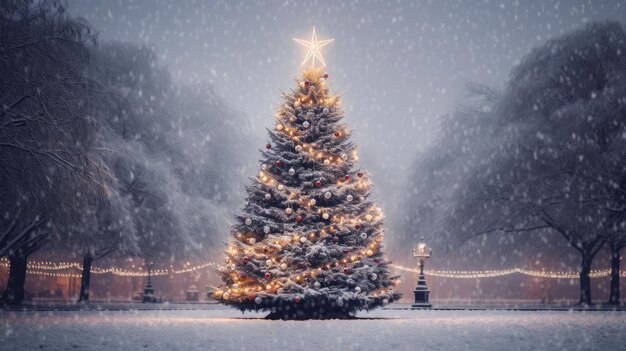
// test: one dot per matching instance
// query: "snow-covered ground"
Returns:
(222, 329)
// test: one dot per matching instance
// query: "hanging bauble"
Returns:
(325, 75)
(369, 252)
(317, 285)
(258, 300)
(283, 266)
(268, 276)
(268, 146)
(335, 239)
(298, 148)
(264, 166)
(250, 297)
(299, 218)
(374, 276)
(280, 187)
(297, 299)
(345, 270)
(246, 259)
(268, 196)
(385, 302)
(357, 290)
(361, 198)
(347, 177)
(345, 252)
(288, 210)
(226, 296)
(360, 174)
(279, 127)
(303, 239)
(340, 303)
(248, 221)
(349, 198)
(325, 216)
(363, 236)
(326, 162)
(312, 202)
(278, 163)
(327, 195)
(366, 266)
(306, 124)
(357, 227)
(318, 184)
(325, 110)
(344, 157)
(368, 217)
(292, 171)
(268, 262)
(322, 80)
(252, 241)
(266, 229)
(337, 134)
(307, 83)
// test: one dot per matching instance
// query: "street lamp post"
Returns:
(422, 253)
(148, 291)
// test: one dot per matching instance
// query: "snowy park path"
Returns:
(221, 329)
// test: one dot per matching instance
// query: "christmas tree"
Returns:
(308, 243)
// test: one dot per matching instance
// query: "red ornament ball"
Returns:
(307, 83)
(357, 227)
(318, 184)
(335, 239)
(347, 177)
(345, 271)
(278, 163)
(337, 134)
(345, 252)
(299, 218)
(297, 299)
(360, 174)
(325, 76)
(267, 276)
(250, 297)
(268, 146)
(246, 259)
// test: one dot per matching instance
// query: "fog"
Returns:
(399, 65)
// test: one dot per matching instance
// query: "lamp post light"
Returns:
(422, 253)
(148, 291)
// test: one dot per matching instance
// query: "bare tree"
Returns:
(546, 155)
(43, 127)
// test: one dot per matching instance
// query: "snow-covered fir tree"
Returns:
(308, 243)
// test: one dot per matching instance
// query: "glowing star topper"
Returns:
(314, 47)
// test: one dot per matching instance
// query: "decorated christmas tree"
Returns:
(308, 243)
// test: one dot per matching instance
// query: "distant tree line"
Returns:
(100, 152)
(546, 154)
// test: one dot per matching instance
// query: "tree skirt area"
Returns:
(224, 329)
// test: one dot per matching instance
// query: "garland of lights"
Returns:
(40, 268)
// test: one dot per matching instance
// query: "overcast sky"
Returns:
(398, 64)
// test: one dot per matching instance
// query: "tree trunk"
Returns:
(85, 277)
(614, 292)
(14, 293)
(585, 279)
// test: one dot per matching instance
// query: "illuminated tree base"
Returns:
(313, 307)
(302, 314)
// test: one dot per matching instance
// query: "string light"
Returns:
(40, 268)
(499, 273)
